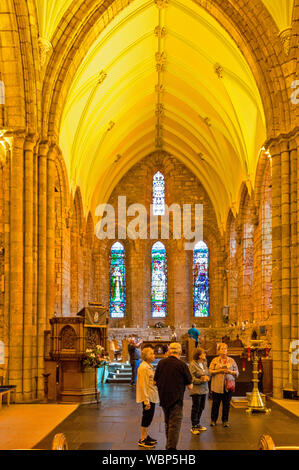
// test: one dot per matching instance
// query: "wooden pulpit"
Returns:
(69, 381)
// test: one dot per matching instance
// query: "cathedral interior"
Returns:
(145, 111)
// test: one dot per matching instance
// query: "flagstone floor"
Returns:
(115, 424)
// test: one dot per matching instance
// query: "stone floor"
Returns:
(115, 423)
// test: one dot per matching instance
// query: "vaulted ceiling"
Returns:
(169, 79)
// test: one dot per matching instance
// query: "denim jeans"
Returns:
(198, 404)
(173, 420)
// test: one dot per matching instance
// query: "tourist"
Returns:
(223, 370)
(194, 334)
(134, 354)
(172, 376)
(147, 394)
(200, 379)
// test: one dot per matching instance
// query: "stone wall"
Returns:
(181, 187)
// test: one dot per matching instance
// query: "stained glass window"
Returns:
(201, 280)
(158, 194)
(159, 280)
(117, 281)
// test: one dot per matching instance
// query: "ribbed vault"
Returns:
(168, 78)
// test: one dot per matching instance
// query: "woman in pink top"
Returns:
(223, 370)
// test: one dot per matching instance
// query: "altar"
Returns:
(157, 346)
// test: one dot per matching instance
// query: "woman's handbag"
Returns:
(230, 385)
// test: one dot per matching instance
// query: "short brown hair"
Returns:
(197, 353)
(219, 346)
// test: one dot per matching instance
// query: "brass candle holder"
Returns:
(256, 404)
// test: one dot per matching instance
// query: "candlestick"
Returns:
(255, 403)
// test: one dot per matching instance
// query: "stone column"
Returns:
(35, 269)
(295, 319)
(285, 257)
(293, 250)
(179, 283)
(136, 285)
(276, 269)
(50, 234)
(42, 261)
(6, 191)
(16, 325)
(28, 265)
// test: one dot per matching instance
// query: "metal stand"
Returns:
(46, 390)
(256, 404)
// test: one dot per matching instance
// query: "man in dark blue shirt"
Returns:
(134, 354)
(171, 377)
(194, 333)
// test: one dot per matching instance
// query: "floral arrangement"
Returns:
(94, 357)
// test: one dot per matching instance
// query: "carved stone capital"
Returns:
(285, 37)
(45, 49)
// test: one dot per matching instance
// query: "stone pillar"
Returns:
(180, 291)
(293, 250)
(295, 319)
(285, 258)
(42, 262)
(16, 320)
(276, 270)
(50, 300)
(137, 286)
(35, 270)
(6, 245)
(28, 265)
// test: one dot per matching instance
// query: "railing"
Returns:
(266, 443)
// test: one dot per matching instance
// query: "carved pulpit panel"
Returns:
(68, 338)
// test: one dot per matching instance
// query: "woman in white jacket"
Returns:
(147, 394)
(200, 378)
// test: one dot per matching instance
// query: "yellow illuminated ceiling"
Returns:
(49, 13)
(281, 11)
(196, 99)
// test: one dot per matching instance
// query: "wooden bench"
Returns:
(266, 443)
(59, 442)
(6, 391)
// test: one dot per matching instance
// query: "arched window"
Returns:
(201, 280)
(117, 281)
(159, 280)
(158, 194)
